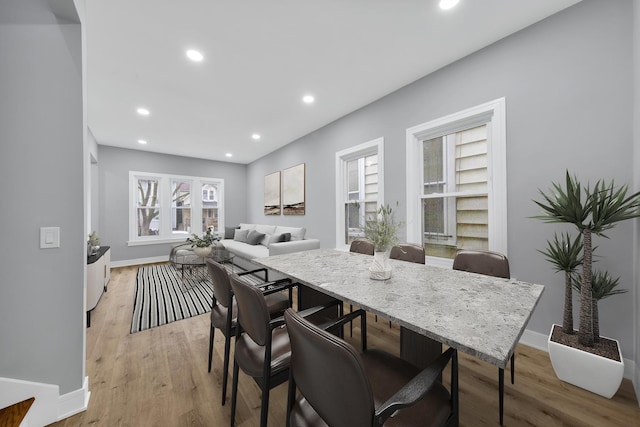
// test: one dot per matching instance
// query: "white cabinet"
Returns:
(98, 275)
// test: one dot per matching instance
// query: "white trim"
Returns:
(493, 114)
(139, 261)
(539, 341)
(145, 242)
(372, 147)
(49, 405)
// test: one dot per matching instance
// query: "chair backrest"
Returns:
(253, 314)
(221, 284)
(330, 375)
(362, 247)
(482, 262)
(408, 252)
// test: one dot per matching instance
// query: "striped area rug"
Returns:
(163, 295)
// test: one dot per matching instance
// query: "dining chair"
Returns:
(262, 344)
(224, 309)
(490, 264)
(362, 246)
(363, 388)
(408, 252)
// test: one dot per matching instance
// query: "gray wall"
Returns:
(567, 82)
(41, 167)
(114, 165)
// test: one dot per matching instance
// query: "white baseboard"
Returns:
(539, 341)
(636, 384)
(49, 405)
(139, 261)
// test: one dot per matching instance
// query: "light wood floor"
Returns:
(159, 377)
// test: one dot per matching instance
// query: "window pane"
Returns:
(433, 159)
(148, 212)
(452, 223)
(354, 227)
(210, 208)
(148, 221)
(353, 174)
(180, 207)
(148, 193)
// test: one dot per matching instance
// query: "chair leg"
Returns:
(225, 373)
(211, 332)
(350, 323)
(513, 368)
(264, 410)
(234, 391)
(501, 391)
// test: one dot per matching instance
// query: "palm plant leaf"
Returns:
(564, 253)
(564, 205)
(602, 285)
(610, 205)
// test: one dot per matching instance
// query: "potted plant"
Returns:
(93, 244)
(381, 229)
(599, 210)
(202, 245)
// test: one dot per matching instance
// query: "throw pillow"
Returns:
(229, 232)
(285, 237)
(241, 235)
(254, 237)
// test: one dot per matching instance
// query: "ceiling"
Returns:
(261, 57)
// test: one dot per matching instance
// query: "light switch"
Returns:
(49, 237)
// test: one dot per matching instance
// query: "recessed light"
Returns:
(229, 155)
(255, 136)
(143, 111)
(448, 4)
(308, 99)
(194, 55)
(142, 141)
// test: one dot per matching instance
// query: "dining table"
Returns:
(482, 316)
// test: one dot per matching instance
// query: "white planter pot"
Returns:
(202, 252)
(380, 268)
(591, 372)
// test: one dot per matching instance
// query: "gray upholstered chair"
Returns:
(490, 264)
(363, 389)
(224, 310)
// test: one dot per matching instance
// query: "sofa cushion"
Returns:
(244, 226)
(244, 250)
(297, 233)
(241, 235)
(254, 237)
(268, 232)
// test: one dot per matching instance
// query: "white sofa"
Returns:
(269, 244)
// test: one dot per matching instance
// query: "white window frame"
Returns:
(373, 147)
(493, 114)
(166, 234)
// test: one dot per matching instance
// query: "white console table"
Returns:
(98, 275)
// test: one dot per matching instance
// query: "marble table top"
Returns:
(480, 315)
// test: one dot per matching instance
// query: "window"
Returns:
(456, 182)
(169, 208)
(359, 172)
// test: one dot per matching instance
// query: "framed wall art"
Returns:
(272, 194)
(293, 190)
